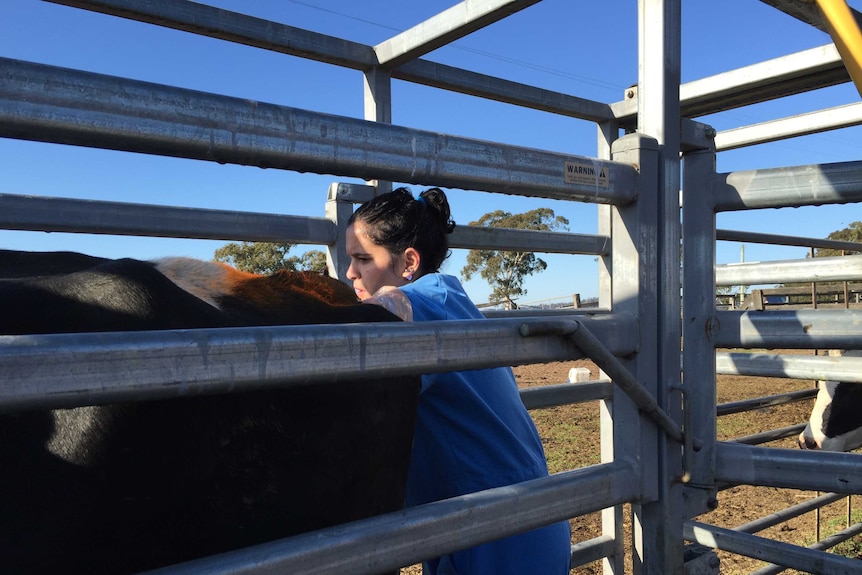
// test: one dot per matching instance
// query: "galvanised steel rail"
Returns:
(783, 515)
(121, 114)
(791, 127)
(66, 370)
(784, 240)
(796, 73)
(810, 185)
(52, 214)
(789, 468)
(390, 541)
(761, 402)
(566, 393)
(800, 329)
(790, 366)
(243, 29)
(807, 560)
(837, 268)
(822, 545)
(770, 435)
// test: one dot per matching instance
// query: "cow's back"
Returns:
(128, 487)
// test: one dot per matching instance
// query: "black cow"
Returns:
(127, 487)
(835, 423)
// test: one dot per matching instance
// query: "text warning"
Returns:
(586, 174)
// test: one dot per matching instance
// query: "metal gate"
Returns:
(668, 471)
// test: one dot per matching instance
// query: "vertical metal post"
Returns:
(378, 107)
(813, 284)
(634, 290)
(659, 26)
(339, 207)
(612, 517)
(698, 233)
(608, 132)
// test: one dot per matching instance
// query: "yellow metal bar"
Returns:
(845, 34)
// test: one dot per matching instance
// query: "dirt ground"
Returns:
(571, 438)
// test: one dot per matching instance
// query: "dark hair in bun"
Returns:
(397, 221)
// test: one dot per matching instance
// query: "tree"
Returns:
(268, 257)
(852, 233)
(313, 261)
(505, 270)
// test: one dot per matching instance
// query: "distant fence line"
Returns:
(841, 295)
(573, 301)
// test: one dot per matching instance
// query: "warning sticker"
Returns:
(586, 174)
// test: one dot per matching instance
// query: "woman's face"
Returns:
(372, 266)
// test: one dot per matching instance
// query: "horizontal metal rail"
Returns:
(50, 214)
(807, 560)
(822, 545)
(838, 268)
(799, 329)
(545, 313)
(791, 74)
(566, 393)
(783, 515)
(592, 550)
(791, 127)
(767, 401)
(770, 435)
(394, 540)
(462, 81)
(122, 114)
(810, 185)
(528, 241)
(240, 28)
(65, 370)
(236, 27)
(790, 468)
(480, 237)
(444, 28)
(782, 240)
(823, 367)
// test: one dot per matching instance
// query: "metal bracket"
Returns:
(578, 333)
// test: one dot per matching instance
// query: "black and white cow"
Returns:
(835, 423)
(127, 487)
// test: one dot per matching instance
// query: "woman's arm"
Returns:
(394, 300)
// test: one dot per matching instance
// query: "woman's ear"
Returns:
(412, 260)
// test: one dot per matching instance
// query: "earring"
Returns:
(409, 275)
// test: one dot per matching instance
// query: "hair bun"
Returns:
(435, 199)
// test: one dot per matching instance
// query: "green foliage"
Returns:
(852, 233)
(313, 261)
(505, 270)
(268, 257)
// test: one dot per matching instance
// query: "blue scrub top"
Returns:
(473, 433)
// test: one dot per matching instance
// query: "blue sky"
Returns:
(587, 49)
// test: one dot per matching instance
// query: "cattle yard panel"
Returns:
(639, 265)
(127, 115)
(80, 369)
(706, 329)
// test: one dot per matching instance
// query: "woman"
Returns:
(472, 432)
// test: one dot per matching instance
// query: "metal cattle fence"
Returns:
(659, 452)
